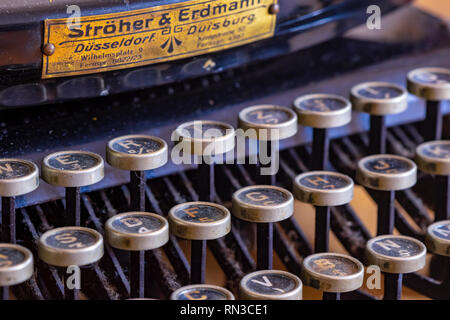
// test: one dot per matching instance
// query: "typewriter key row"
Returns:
(138, 231)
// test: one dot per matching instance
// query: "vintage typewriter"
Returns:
(347, 97)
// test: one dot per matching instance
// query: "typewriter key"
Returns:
(395, 255)
(268, 123)
(438, 238)
(137, 154)
(332, 273)
(137, 232)
(386, 173)
(434, 158)
(323, 189)
(17, 177)
(378, 99)
(66, 246)
(206, 139)
(321, 112)
(199, 221)
(263, 205)
(16, 266)
(433, 85)
(72, 170)
(270, 285)
(202, 292)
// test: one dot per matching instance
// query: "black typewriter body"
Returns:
(318, 46)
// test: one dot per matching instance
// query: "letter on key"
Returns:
(332, 272)
(386, 172)
(137, 231)
(396, 254)
(323, 188)
(17, 177)
(263, 204)
(379, 98)
(438, 238)
(136, 153)
(270, 122)
(66, 246)
(270, 285)
(434, 157)
(16, 264)
(199, 221)
(72, 168)
(323, 111)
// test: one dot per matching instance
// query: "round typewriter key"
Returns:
(206, 140)
(199, 221)
(66, 246)
(268, 124)
(332, 273)
(395, 255)
(16, 266)
(438, 238)
(17, 177)
(72, 170)
(323, 189)
(137, 154)
(263, 205)
(386, 173)
(269, 121)
(378, 99)
(270, 285)
(430, 83)
(321, 112)
(433, 85)
(206, 137)
(137, 232)
(202, 292)
(434, 158)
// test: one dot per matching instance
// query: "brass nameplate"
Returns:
(146, 36)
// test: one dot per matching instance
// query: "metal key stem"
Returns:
(8, 221)
(137, 258)
(320, 148)
(73, 206)
(393, 286)
(432, 125)
(137, 274)
(322, 229)
(69, 294)
(207, 187)
(377, 134)
(331, 296)
(198, 261)
(264, 246)
(442, 193)
(386, 212)
(137, 191)
(8, 224)
(272, 154)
